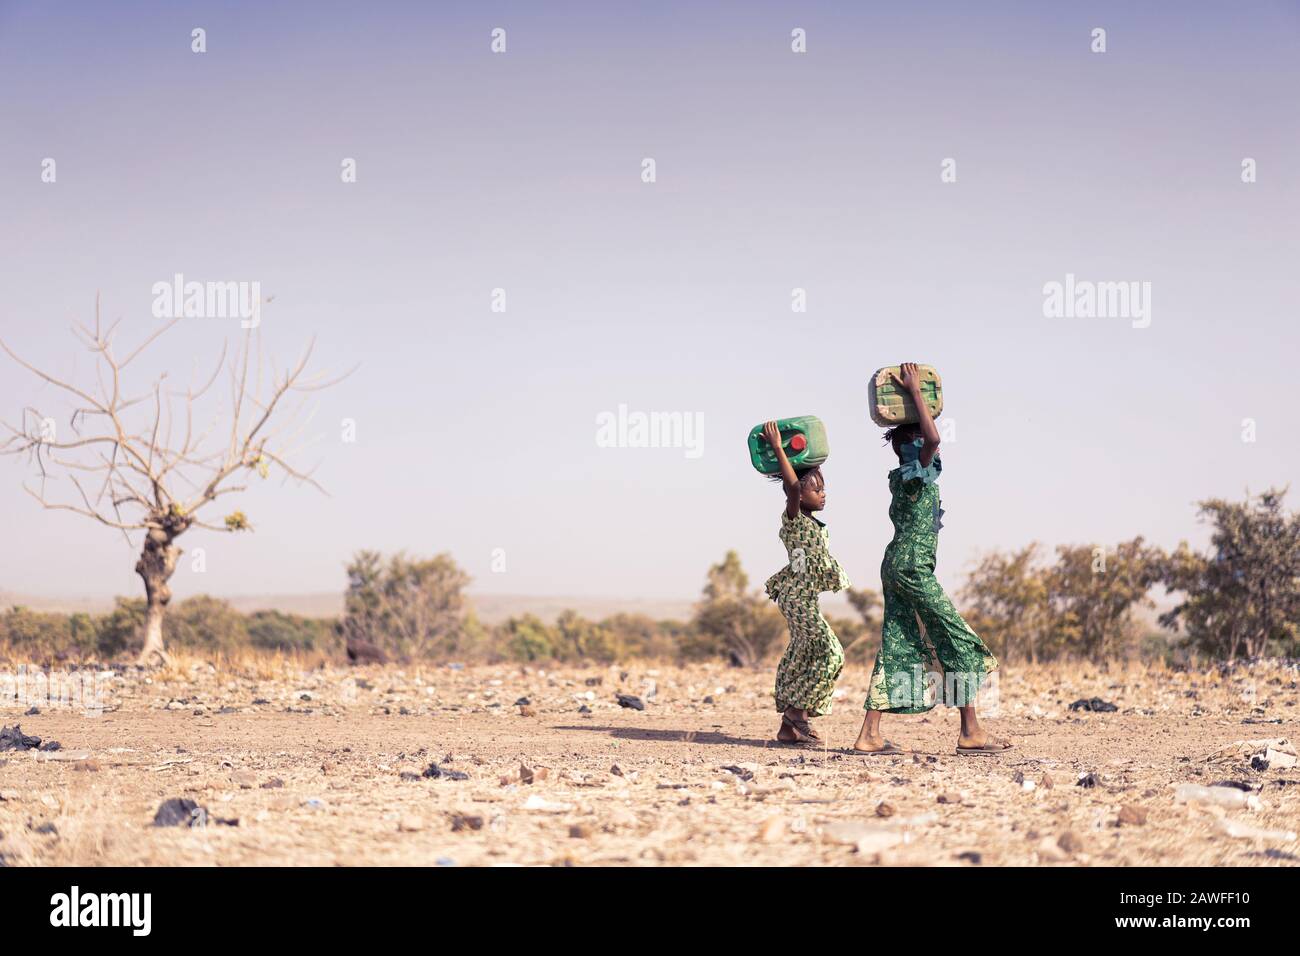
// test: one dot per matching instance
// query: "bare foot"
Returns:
(873, 744)
(982, 740)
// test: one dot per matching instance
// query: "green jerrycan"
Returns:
(891, 406)
(804, 441)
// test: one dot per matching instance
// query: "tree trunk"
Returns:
(155, 567)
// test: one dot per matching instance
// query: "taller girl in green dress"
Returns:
(948, 662)
(805, 678)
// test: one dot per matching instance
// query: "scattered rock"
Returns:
(1244, 831)
(1230, 798)
(884, 809)
(244, 779)
(1046, 782)
(1131, 815)
(771, 830)
(971, 857)
(180, 812)
(951, 797)
(435, 772)
(1049, 851)
(535, 802)
(629, 701)
(1244, 750)
(529, 775)
(1279, 759)
(466, 821)
(526, 711)
(275, 783)
(13, 738)
(364, 652)
(64, 756)
(1070, 842)
(522, 702)
(864, 837)
(1094, 704)
(580, 831)
(1088, 780)
(744, 773)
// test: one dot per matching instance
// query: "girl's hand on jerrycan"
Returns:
(911, 380)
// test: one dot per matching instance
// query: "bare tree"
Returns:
(138, 463)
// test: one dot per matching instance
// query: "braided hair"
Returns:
(804, 474)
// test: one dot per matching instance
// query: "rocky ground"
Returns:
(507, 765)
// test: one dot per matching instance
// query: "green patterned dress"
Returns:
(805, 678)
(947, 662)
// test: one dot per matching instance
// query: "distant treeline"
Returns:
(1241, 599)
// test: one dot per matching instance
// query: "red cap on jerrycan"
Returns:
(798, 443)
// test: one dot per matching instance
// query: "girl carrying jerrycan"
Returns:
(900, 678)
(805, 678)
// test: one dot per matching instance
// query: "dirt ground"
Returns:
(327, 767)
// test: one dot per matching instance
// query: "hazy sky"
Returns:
(775, 171)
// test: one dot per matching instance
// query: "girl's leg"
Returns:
(898, 678)
(965, 658)
(972, 734)
(893, 676)
(805, 679)
(869, 736)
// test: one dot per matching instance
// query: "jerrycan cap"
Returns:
(798, 443)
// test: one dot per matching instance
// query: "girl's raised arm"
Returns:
(788, 478)
(911, 383)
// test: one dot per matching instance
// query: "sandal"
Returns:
(994, 745)
(803, 733)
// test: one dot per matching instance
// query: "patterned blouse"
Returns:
(910, 463)
(812, 568)
(915, 509)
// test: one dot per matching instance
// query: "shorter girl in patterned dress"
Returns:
(805, 678)
(902, 682)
